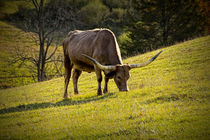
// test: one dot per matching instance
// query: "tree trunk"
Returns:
(41, 68)
(39, 64)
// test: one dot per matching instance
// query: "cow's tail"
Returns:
(67, 61)
(64, 48)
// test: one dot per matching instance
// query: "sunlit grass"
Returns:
(13, 39)
(169, 99)
(10, 39)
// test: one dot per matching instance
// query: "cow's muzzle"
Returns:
(126, 89)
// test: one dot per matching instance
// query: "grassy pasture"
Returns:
(11, 39)
(169, 99)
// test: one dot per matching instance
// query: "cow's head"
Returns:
(121, 76)
(120, 73)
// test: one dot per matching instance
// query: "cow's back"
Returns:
(99, 44)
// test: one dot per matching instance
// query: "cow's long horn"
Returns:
(102, 67)
(145, 63)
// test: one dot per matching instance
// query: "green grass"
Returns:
(169, 99)
(12, 38)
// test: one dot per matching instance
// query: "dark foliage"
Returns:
(153, 24)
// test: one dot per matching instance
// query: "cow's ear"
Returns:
(129, 68)
(111, 74)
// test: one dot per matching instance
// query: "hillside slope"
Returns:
(13, 41)
(12, 38)
(169, 99)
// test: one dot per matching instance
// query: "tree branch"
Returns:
(52, 53)
(36, 5)
(49, 41)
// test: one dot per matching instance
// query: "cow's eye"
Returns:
(118, 77)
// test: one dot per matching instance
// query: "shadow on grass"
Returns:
(169, 98)
(64, 102)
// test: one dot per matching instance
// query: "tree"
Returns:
(116, 19)
(153, 24)
(46, 21)
(94, 14)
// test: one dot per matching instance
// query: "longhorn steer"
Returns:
(96, 50)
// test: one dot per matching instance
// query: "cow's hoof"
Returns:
(65, 96)
(105, 91)
(99, 93)
(76, 93)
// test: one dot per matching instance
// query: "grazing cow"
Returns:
(96, 50)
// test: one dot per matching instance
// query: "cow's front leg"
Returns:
(76, 74)
(106, 85)
(99, 79)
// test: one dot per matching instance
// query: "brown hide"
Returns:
(99, 44)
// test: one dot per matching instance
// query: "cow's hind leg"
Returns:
(99, 79)
(68, 67)
(76, 74)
